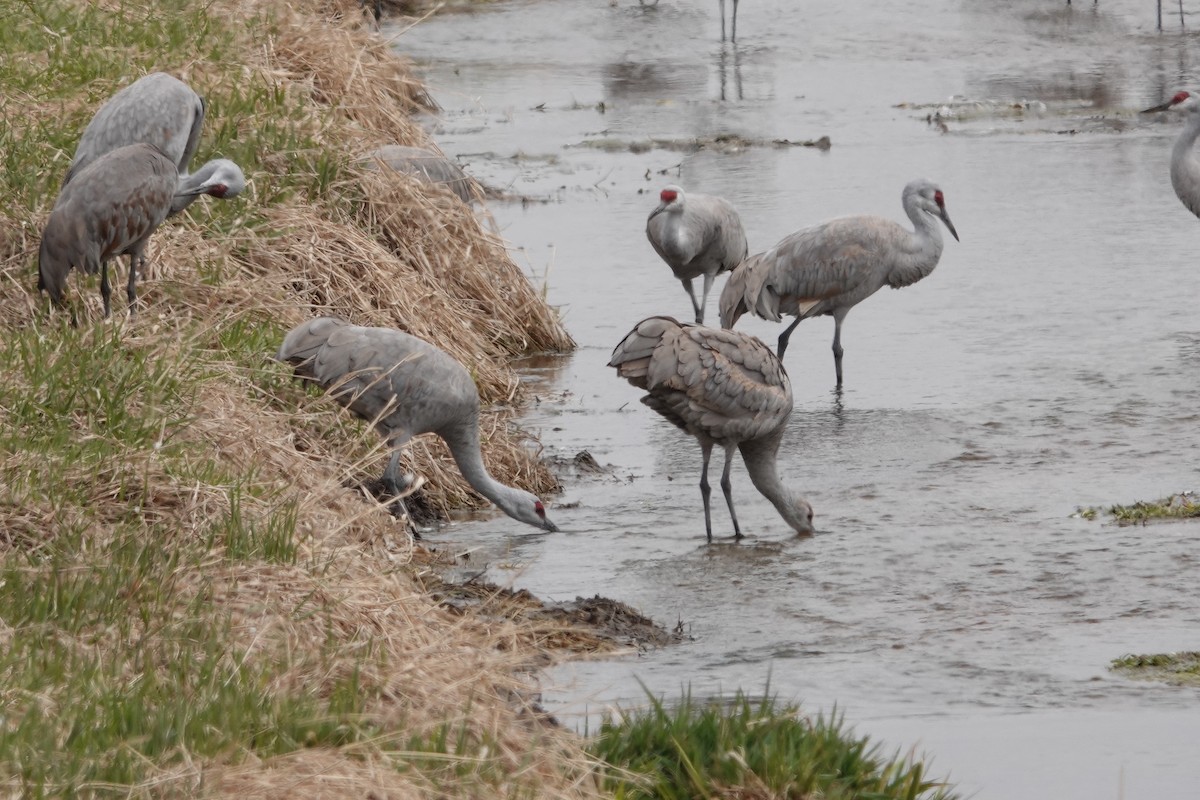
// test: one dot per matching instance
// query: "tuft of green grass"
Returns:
(1182, 505)
(1181, 669)
(696, 749)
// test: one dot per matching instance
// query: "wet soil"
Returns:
(584, 626)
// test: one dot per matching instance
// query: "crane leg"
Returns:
(733, 34)
(708, 282)
(105, 289)
(705, 490)
(135, 263)
(727, 488)
(783, 338)
(696, 307)
(722, 7)
(837, 348)
(394, 483)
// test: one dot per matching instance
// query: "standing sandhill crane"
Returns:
(831, 267)
(404, 386)
(424, 165)
(109, 209)
(1185, 169)
(161, 110)
(696, 234)
(725, 388)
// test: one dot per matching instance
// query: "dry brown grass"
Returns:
(377, 249)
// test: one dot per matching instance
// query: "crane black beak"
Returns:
(549, 526)
(1162, 107)
(945, 217)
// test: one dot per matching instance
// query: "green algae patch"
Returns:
(1179, 669)
(1182, 505)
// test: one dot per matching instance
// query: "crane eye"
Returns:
(539, 508)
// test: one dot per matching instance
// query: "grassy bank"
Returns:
(195, 597)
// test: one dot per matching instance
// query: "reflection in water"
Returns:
(950, 590)
(723, 58)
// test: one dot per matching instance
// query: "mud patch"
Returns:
(583, 626)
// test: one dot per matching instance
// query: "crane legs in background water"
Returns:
(1158, 5)
(733, 21)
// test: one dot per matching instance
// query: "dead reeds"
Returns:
(197, 597)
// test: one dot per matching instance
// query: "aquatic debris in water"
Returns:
(1182, 505)
(1180, 669)
(722, 143)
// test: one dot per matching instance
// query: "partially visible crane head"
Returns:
(671, 197)
(930, 200)
(528, 508)
(226, 180)
(1182, 101)
(799, 515)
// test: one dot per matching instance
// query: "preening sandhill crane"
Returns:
(423, 164)
(161, 110)
(697, 235)
(109, 209)
(831, 267)
(404, 386)
(1185, 169)
(726, 389)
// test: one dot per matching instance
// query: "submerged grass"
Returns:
(1180, 669)
(748, 748)
(1177, 506)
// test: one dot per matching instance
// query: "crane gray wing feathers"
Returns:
(839, 257)
(112, 207)
(400, 382)
(157, 109)
(712, 230)
(723, 385)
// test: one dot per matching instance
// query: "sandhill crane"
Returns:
(1185, 170)
(110, 208)
(423, 164)
(724, 388)
(696, 234)
(161, 110)
(831, 267)
(404, 386)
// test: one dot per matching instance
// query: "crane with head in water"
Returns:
(698, 235)
(725, 389)
(110, 208)
(831, 267)
(1185, 168)
(160, 110)
(404, 387)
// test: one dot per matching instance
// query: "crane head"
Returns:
(944, 215)
(670, 194)
(1181, 101)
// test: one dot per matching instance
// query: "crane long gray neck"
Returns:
(925, 246)
(464, 446)
(1185, 170)
(760, 457)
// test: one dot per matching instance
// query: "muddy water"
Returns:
(950, 601)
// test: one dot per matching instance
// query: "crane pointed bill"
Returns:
(1160, 107)
(945, 217)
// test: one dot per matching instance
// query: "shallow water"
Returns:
(949, 601)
